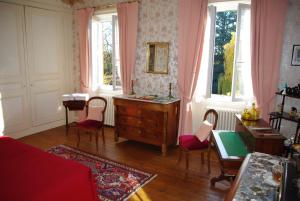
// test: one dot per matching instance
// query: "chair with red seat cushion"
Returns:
(94, 121)
(190, 142)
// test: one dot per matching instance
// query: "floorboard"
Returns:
(171, 182)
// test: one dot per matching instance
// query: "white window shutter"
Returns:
(242, 82)
(97, 54)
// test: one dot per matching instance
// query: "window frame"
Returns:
(213, 8)
(97, 81)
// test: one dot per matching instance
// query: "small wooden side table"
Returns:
(72, 105)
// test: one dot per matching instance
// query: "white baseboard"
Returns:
(36, 129)
(40, 128)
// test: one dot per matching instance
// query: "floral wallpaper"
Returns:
(76, 61)
(157, 23)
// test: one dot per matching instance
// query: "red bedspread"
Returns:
(29, 174)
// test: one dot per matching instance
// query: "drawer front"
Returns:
(129, 121)
(141, 135)
(151, 125)
(152, 115)
(129, 132)
(129, 111)
(153, 135)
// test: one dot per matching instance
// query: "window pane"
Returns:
(107, 53)
(116, 52)
(224, 52)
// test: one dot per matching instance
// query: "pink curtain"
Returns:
(192, 22)
(128, 23)
(267, 28)
(83, 17)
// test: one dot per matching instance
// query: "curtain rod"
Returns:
(111, 5)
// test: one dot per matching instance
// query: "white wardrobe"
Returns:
(35, 67)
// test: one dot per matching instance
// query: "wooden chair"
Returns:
(190, 143)
(91, 124)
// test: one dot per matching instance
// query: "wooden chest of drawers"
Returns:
(149, 122)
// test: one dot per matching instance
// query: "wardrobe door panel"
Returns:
(14, 104)
(45, 55)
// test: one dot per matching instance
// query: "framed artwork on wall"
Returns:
(296, 56)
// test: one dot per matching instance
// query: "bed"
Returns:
(30, 174)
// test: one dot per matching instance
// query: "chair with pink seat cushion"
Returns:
(94, 121)
(192, 142)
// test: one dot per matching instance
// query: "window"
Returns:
(225, 35)
(105, 52)
(225, 69)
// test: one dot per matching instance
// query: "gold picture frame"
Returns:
(157, 57)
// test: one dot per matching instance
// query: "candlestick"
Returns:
(170, 90)
(132, 91)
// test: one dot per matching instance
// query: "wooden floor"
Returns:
(171, 182)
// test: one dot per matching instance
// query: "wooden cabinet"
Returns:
(35, 61)
(45, 58)
(14, 99)
(269, 141)
(149, 122)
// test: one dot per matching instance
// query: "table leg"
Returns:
(164, 149)
(165, 131)
(67, 120)
(116, 135)
(222, 177)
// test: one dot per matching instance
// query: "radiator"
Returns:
(109, 113)
(226, 120)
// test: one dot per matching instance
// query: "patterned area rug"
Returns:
(114, 181)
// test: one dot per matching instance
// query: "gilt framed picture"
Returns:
(296, 56)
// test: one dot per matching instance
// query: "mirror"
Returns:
(157, 57)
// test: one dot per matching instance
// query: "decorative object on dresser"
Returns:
(73, 102)
(150, 121)
(170, 90)
(95, 117)
(190, 143)
(113, 181)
